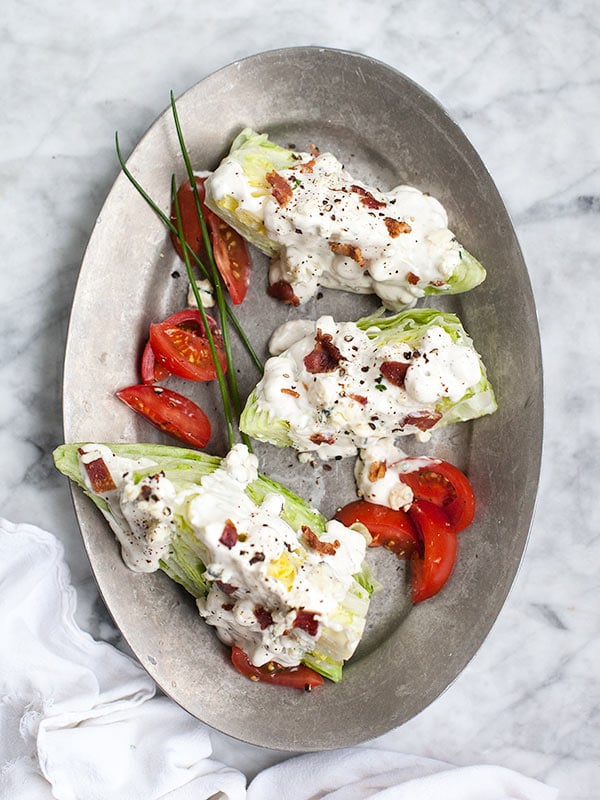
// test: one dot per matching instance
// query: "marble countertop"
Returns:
(522, 81)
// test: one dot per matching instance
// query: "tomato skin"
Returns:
(179, 344)
(229, 248)
(430, 572)
(170, 412)
(447, 487)
(390, 528)
(152, 371)
(300, 677)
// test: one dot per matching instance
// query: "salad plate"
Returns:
(387, 131)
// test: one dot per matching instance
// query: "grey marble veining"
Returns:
(523, 81)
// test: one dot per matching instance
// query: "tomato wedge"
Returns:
(170, 412)
(444, 485)
(180, 345)
(300, 677)
(431, 571)
(389, 528)
(229, 248)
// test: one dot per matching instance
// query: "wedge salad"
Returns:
(323, 227)
(285, 588)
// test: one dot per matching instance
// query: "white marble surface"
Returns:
(523, 80)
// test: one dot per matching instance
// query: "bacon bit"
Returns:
(348, 251)
(226, 588)
(412, 278)
(99, 475)
(313, 541)
(319, 438)
(307, 166)
(394, 372)
(257, 558)
(227, 606)
(314, 150)
(377, 471)
(423, 420)
(307, 621)
(263, 616)
(291, 392)
(280, 188)
(359, 399)
(229, 536)
(325, 357)
(437, 283)
(366, 198)
(282, 290)
(395, 227)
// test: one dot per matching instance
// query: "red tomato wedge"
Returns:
(229, 248)
(300, 677)
(152, 371)
(170, 412)
(431, 571)
(180, 345)
(392, 529)
(444, 485)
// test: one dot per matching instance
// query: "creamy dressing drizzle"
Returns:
(352, 406)
(403, 237)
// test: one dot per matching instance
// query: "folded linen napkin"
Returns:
(79, 720)
(366, 772)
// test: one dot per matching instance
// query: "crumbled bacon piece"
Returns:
(263, 616)
(314, 150)
(377, 471)
(280, 188)
(325, 356)
(320, 438)
(395, 227)
(229, 536)
(394, 372)
(291, 392)
(307, 166)
(99, 474)
(313, 541)
(348, 251)
(412, 278)
(366, 198)
(359, 398)
(282, 290)
(423, 420)
(226, 588)
(307, 621)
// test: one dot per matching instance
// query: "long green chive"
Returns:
(211, 342)
(186, 247)
(216, 278)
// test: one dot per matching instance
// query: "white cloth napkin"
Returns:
(79, 720)
(365, 772)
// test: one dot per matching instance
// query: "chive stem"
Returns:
(215, 277)
(207, 331)
(186, 247)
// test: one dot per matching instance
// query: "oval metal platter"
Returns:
(387, 131)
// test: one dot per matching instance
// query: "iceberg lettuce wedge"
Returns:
(185, 560)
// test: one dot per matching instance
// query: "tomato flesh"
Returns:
(300, 677)
(229, 248)
(390, 528)
(170, 412)
(431, 571)
(180, 345)
(445, 486)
